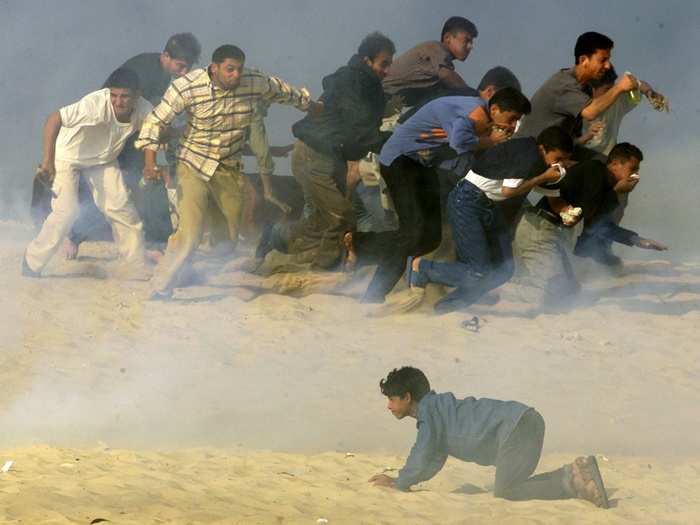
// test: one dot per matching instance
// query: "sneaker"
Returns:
(27, 271)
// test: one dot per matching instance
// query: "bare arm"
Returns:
(598, 105)
(551, 175)
(49, 135)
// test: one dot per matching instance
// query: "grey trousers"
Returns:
(517, 460)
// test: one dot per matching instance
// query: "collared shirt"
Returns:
(469, 429)
(443, 121)
(558, 102)
(90, 133)
(217, 119)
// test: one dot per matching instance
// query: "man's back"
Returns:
(558, 102)
(472, 429)
(415, 72)
(441, 121)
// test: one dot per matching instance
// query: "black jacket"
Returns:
(354, 103)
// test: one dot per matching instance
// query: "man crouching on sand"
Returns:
(506, 434)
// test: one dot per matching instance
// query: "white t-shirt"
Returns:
(492, 187)
(90, 134)
(612, 118)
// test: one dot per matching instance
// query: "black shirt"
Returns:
(587, 186)
(513, 159)
(154, 81)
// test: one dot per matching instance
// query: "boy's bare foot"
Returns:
(351, 254)
(587, 481)
(70, 250)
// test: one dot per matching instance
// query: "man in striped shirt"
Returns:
(220, 102)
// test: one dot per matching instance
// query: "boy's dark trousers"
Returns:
(517, 459)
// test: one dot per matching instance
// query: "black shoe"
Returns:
(27, 271)
(265, 245)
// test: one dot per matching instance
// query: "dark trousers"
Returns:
(517, 459)
(483, 245)
(415, 191)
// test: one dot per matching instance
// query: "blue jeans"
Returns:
(483, 245)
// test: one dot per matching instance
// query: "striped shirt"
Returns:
(217, 119)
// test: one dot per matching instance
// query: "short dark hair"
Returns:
(554, 137)
(405, 379)
(608, 78)
(499, 77)
(221, 53)
(183, 46)
(375, 43)
(511, 99)
(625, 151)
(459, 24)
(590, 42)
(123, 78)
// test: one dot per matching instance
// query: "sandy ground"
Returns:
(232, 404)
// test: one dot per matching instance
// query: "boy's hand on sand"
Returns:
(382, 480)
(650, 244)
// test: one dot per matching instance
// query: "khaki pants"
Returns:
(112, 199)
(543, 271)
(193, 194)
(321, 232)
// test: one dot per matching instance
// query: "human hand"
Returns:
(283, 207)
(151, 172)
(46, 170)
(627, 82)
(596, 127)
(315, 108)
(382, 480)
(571, 215)
(500, 134)
(353, 176)
(650, 244)
(554, 173)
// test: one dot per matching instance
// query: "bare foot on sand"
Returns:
(70, 250)
(351, 254)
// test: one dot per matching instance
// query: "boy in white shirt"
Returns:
(85, 138)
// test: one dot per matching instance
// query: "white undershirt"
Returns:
(491, 187)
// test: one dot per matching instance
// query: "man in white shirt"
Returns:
(85, 138)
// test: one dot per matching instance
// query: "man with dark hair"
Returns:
(565, 98)
(427, 70)
(543, 239)
(441, 130)
(496, 78)
(506, 434)
(84, 139)
(326, 153)
(220, 103)
(482, 235)
(155, 71)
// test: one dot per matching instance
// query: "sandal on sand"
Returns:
(587, 471)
